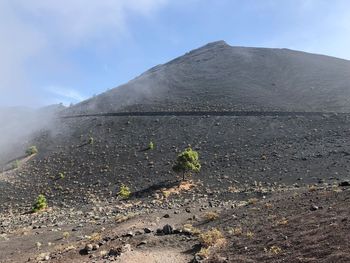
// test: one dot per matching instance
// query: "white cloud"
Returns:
(41, 29)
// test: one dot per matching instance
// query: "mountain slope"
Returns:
(220, 77)
(279, 149)
(277, 183)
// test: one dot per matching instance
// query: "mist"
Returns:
(36, 66)
(20, 126)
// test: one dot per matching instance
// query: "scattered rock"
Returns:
(138, 233)
(43, 257)
(143, 242)
(344, 183)
(314, 208)
(168, 229)
(89, 247)
(147, 230)
(115, 252)
(126, 248)
(129, 234)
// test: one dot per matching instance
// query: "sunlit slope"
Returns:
(221, 77)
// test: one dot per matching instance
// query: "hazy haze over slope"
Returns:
(221, 77)
(21, 125)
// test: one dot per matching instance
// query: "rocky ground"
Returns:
(292, 225)
(272, 188)
(234, 151)
(271, 183)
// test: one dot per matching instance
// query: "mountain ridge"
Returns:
(219, 76)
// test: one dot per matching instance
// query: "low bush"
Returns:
(150, 146)
(124, 191)
(61, 175)
(211, 237)
(91, 140)
(32, 150)
(40, 204)
(187, 162)
(211, 216)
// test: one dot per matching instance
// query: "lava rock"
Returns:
(143, 242)
(314, 208)
(344, 183)
(168, 229)
(147, 230)
(89, 247)
(126, 248)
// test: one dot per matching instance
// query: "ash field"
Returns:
(271, 127)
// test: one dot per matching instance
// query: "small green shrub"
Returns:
(32, 150)
(40, 204)
(61, 175)
(151, 145)
(124, 191)
(91, 140)
(187, 161)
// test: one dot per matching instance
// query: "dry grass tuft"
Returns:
(268, 205)
(236, 231)
(211, 216)
(312, 188)
(66, 235)
(252, 201)
(122, 218)
(211, 238)
(166, 193)
(204, 253)
(281, 222)
(274, 250)
(95, 237)
(233, 189)
(250, 234)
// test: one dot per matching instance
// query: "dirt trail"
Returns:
(156, 256)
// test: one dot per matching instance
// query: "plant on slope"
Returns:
(150, 145)
(187, 162)
(91, 140)
(211, 238)
(40, 204)
(211, 216)
(61, 175)
(32, 150)
(124, 191)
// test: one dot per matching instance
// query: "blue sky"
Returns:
(66, 51)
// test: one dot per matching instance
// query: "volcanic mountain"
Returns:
(219, 77)
(213, 79)
(271, 128)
